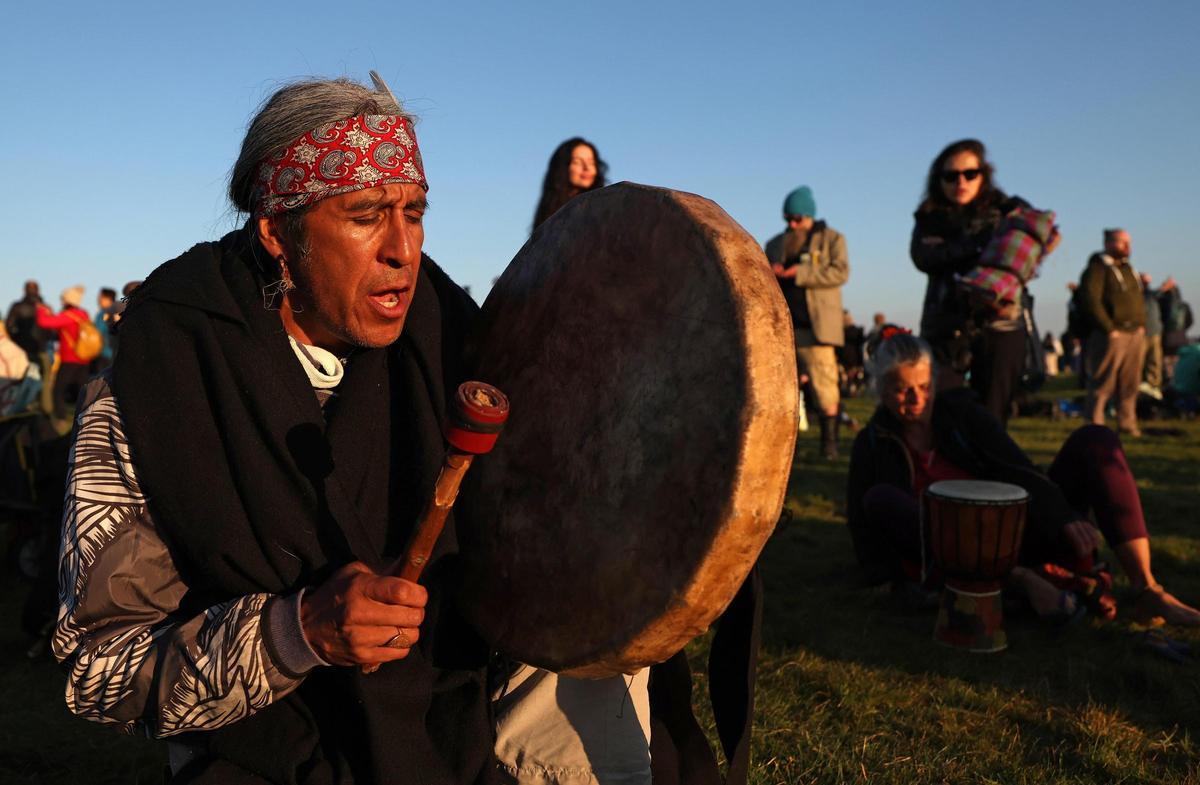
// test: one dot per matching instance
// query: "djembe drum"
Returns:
(975, 530)
(643, 342)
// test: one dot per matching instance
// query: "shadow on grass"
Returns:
(814, 602)
(40, 740)
(852, 689)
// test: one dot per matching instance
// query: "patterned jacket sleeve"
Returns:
(133, 660)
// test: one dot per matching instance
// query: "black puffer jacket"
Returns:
(971, 439)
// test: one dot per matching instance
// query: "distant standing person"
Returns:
(1152, 368)
(118, 309)
(13, 360)
(575, 168)
(877, 323)
(1115, 349)
(960, 212)
(810, 261)
(106, 303)
(22, 324)
(20, 379)
(1078, 329)
(23, 330)
(1053, 349)
(854, 338)
(1177, 320)
(851, 355)
(72, 371)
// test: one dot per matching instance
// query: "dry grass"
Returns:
(853, 690)
(850, 690)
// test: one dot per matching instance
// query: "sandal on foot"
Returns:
(1094, 589)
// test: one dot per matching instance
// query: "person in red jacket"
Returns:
(72, 371)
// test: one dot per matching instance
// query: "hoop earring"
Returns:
(273, 291)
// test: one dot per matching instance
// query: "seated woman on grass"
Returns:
(915, 439)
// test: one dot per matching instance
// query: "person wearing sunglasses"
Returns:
(812, 265)
(960, 212)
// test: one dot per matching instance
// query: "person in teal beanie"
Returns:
(800, 202)
(810, 261)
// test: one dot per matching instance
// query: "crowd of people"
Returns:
(239, 617)
(1154, 340)
(47, 357)
(979, 248)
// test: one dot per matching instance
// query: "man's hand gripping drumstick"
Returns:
(361, 618)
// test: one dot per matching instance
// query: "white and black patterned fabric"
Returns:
(118, 627)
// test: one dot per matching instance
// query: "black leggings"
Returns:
(997, 359)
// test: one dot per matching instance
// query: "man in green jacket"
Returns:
(1112, 295)
(811, 263)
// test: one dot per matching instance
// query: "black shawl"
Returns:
(255, 489)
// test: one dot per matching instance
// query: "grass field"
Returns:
(850, 690)
(853, 690)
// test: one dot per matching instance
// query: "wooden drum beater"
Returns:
(476, 418)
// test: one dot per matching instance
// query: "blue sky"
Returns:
(123, 120)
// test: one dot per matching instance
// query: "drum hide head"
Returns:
(645, 347)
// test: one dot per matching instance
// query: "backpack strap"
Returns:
(66, 336)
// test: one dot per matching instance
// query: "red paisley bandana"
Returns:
(349, 155)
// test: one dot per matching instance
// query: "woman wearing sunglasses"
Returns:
(958, 215)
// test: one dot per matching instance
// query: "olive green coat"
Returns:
(1112, 294)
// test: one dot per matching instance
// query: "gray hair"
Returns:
(900, 349)
(296, 109)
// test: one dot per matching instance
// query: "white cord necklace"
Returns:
(323, 368)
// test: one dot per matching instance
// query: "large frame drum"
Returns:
(647, 352)
(975, 530)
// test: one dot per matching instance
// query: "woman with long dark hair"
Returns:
(575, 167)
(961, 210)
(555, 728)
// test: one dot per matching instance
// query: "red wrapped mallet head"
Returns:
(476, 418)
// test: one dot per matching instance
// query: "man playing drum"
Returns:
(254, 458)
